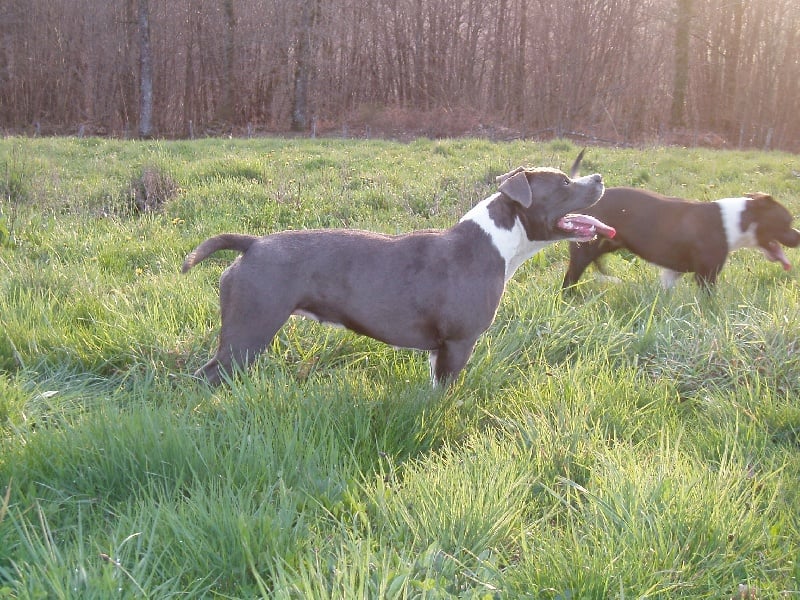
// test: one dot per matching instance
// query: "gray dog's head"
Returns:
(548, 201)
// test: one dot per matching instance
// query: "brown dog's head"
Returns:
(773, 226)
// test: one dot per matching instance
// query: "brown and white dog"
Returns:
(683, 236)
(430, 290)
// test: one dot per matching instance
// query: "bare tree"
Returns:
(303, 65)
(229, 54)
(783, 119)
(621, 70)
(145, 72)
(730, 96)
(683, 21)
(517, 86)
(8, 21)
(189, 83)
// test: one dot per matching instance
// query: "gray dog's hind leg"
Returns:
(241, 341)
(449, 360)
(237, 349)
(210, 372)
(249, 322)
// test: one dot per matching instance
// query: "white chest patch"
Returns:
(512, 244)
(732, 210)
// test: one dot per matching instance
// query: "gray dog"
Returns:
(435, 290)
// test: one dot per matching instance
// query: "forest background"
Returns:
(723, 73)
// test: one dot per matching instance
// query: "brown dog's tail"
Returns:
(225, 241)
(576, 166)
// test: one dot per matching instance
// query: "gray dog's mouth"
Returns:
(583, 228)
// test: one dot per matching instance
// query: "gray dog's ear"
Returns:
(517, 188)
(501, 178)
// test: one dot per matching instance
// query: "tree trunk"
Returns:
(681, 80)
(730, 97)
(189, 113)
(145, 73)
(302, 72)
(518, 85)
(497, 94)
(228, 77)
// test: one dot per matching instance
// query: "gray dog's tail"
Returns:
(225, 241)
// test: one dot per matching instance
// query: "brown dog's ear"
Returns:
(517, 188)
(758, 196)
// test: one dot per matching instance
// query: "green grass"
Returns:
(621, 442)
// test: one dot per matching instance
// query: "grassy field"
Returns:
(623, 442)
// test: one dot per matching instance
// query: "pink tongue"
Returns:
(573, 220)
(776, 254)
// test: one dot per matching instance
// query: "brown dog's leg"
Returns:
(580, 256)
(706, 277)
